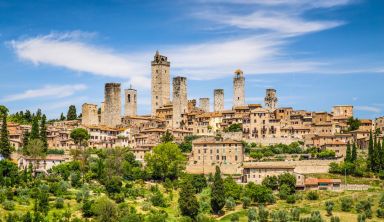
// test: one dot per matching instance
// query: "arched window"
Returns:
(129, 98)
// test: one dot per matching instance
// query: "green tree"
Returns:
(80, 136)
(354, 153)
(62, 117)
(370, 152)
(259, 193)
(271, 182)
(35, 149)
(329, 207)
(188, 204)
(348, 155)
(235, 127)
(353, 123)
(43, 132)
(289, 180)
(35, 129)
(165, 161)
(217, 193)
(71, 115)
(167, 137)
(105, 209)
(231, 188)
(5, 146)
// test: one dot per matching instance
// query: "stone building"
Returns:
(218, 100)
(238, 89)
(179, 100)
(342, 111)
(89, 115)
(130, 102)
(270, 99)
(112, 105)
(379, 123)
(160, 84)
(204, 104)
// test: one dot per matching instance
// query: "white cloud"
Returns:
(69, 50)
(296, 3)
(54, 91)
(368, 109)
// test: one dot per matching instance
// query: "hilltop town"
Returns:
(249, 144)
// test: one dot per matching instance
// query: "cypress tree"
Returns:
(5, 145)
(188, 204)
(370, 152)
(43, 132)
(25, 141)
(376, 155)
(71, 115)
(379, 156)
(354, 153)
(62, 117)
(35, 129)
(348, 155)
(217, 193)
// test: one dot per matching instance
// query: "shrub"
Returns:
(235, 218)
(284, 191)
(295, 214)
(157, 199)
(8, 205)
(146, 206)
(280, 215)
(59, 203)
(335, 219)
(263, 214)
(329, 207)
(381, 201)
(380, 213)
(87, 208)
(361, 218)
(246, 202)
(291, 199)
(230, 203)
(364, 206)
(252, 215)
(312, 195)
(346, 204)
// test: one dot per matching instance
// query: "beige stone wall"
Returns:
(218, 100)
(130, 102)
(179, 100)
(204, 104)
(342, 111)
(238, 89)
(160, 84)
(89, 115)
(112, 105)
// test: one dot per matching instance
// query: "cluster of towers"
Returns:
(110, 111)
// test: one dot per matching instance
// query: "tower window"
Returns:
(129, 98)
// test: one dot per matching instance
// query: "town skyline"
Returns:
(333, 58)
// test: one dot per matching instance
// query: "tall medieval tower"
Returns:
(160, 85)
(179, 100)
(89, 115)
(270, 99)
(204, 104)
(112, 105)
(130, 102)
(218, 100)
(238, 89)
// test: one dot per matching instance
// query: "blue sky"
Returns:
(315, 53)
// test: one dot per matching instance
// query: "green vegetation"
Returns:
(234, 127)
(71, 114)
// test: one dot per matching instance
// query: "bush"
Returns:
(361, 218)
(291, 199)
(59, 203)
(230, 203)
(329, 207)
(295, 214)
(235, 218)
(8, 205)
(87, 208)
(284, 191)
(364, 206)
(381, 201)
(252, 215)
(335, 219)
(312, 195)
(346, 204)
(246, 202)
(75, 179)
(157, 199)
(380, 213)
(263, 214)
(146, 206)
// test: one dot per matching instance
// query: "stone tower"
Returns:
(270, 99)
(89, 115)
(191, 105)
(204, 104)
(218, 100)
(112, 105)
(238, 89)
(179, 100)
(130, 102)
(160, 85)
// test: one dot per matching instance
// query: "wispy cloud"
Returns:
(53, 91)
(372, 109)
(70, 50)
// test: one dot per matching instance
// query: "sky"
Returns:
(316, 54)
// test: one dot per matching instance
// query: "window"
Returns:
(129, 98)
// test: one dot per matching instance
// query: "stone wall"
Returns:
(112, 105)
(130, 104)
(89, 115)
(179, 100)
(238, 89)
(204, 104)
(218, 100)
